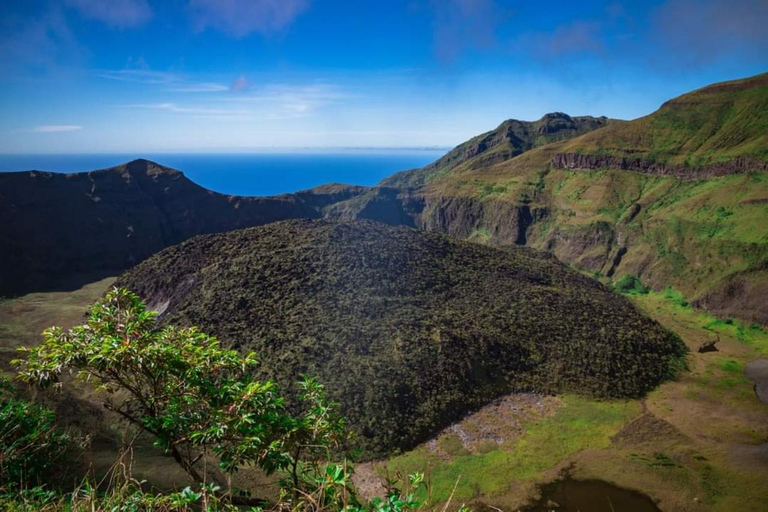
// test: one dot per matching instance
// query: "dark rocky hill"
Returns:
(61, 229)
(408, 329)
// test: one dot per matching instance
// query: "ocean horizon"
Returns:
(249, 174)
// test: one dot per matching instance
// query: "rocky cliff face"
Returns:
(494, 221)
(683, 233)
(62, 229)
(585, 162)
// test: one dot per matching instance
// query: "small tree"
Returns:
(195, 397)
(182, 387)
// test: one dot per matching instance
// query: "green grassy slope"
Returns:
(707, 237)
(713, 124)
(509, 139)
(407, 329)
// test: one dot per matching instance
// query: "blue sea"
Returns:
(251, 174)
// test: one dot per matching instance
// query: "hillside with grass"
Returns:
(715, 124)
(408, 330)
(509, 139)
(677, 198)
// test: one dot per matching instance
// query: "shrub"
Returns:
(631, 284)
(180, 386)
(30, 444)
(194, 397)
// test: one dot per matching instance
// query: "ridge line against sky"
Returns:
(179, 75)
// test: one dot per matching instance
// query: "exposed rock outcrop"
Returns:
(709, 346)
(584, 162)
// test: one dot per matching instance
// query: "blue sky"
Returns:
(238, 75)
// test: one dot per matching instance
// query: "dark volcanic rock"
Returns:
(56, 227)
(408, 330)
(709, 346)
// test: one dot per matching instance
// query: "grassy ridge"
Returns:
(408, 330)
(509, 139)
(713, 124)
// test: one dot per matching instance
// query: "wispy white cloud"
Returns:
(141, 76)
(173, 82)
(240, 18)
(298, 98)
(267, 102)
(199, 87)
(196, 110)
(115, 13)
(55, 128)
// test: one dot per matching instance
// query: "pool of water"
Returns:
(570, 495)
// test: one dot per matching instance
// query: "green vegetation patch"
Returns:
(579, 424)
(631, 284)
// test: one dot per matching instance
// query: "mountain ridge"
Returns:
(511, 138)
(97, 223)
(676, 197)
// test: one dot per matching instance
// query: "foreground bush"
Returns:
(30, 444)
(198, 400)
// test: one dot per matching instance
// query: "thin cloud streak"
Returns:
(283, 112)
(197, 111)
(269, 102)
(141, 76)
(294, 98)
(201, 87)
(174, 81)
(56, 128)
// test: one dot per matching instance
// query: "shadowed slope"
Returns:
(56, 228)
